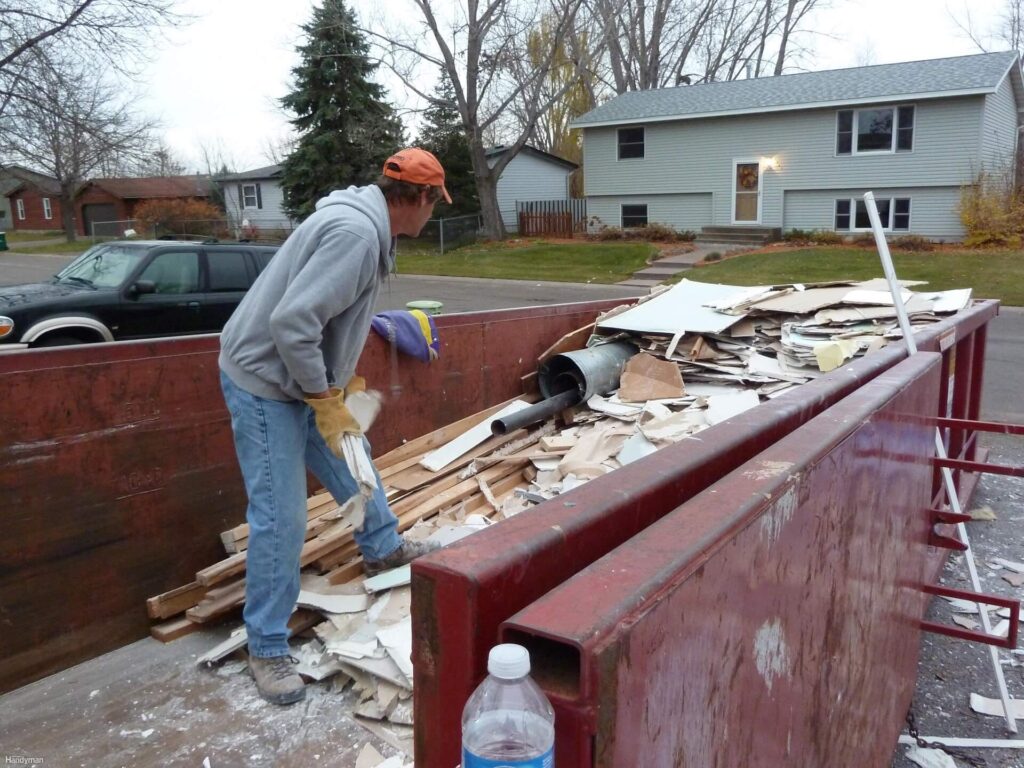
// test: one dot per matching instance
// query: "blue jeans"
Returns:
(275, 442)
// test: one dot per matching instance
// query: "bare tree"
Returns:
(74, 126)
(116, 31)
(481, 46)
(1006, 32)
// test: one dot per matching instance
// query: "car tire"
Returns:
(58, 340)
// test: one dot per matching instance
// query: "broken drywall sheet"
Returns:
(613, 407)
(636, 447)
(396, 577)
(593, 448)
(994, 707)
(237, 640)
(930, 758)
(672, 427)
(369, 757)
(681, 308)
(397, 641)
(645, 377)
(468, 440)
(333, 603)
(722, 407)
(832, 354)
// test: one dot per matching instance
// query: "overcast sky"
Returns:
(215, 83)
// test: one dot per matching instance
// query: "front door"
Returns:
(746, 184)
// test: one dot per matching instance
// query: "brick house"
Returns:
(115, 200)
(35, 199)
(32, 200)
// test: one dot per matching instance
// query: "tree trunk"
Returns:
(487, 190)
(67, 214)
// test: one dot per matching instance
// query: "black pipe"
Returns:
(536, 412)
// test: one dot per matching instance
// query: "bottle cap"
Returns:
(508, 661)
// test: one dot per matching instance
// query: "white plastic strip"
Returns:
(940, 450)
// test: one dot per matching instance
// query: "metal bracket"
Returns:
(1009, 642)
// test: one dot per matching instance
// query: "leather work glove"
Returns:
(355, 384)
(333, 419)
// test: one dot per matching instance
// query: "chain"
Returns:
(924, 744)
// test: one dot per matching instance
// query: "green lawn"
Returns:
(994, 274)
(583, 262)
(79, 246)
(26, 237)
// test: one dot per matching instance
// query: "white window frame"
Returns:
(886, 226)
(20, 205)
(618, 143)
(47, 208)
(855, 138)
(647, 214)
(245, 197)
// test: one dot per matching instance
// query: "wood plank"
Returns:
(173, 629)
(218, 602)
(174, 602)
(570, 342)
(417, 477)
(438, 437)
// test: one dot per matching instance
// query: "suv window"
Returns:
(174, 272)
(103, 266)
(262, 259)
(228, 271)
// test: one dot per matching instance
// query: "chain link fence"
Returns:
(273, 231)
(448, 234)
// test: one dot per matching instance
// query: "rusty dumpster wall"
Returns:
(462, 594)
(771, 620)
(117, 468)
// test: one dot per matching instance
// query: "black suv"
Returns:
(129, 289)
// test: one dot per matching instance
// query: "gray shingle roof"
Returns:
(267, 172)
(935, 78)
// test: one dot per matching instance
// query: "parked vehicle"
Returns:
(131, 289)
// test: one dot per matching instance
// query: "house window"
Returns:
(251, 196)
(881, 129)
(21, 209)
(852, 214)
(634, 216)
(47, 210)
(631, 143)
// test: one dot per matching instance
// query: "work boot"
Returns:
(276, 679)
(407, 552)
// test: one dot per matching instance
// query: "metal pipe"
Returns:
(537, 412)
(591, 371)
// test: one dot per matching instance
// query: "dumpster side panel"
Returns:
(118, 471)
(771, 620)
(471, 586)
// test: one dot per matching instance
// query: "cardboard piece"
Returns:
(646, 377)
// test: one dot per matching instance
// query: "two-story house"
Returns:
(798, 151)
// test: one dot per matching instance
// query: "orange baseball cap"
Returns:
(416, 166)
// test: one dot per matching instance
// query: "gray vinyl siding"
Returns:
(695, 156)
(933, 210)
(528, 177)
(999, 128)
(681, 212)
(270, 216)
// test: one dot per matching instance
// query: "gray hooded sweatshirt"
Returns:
(302, 325)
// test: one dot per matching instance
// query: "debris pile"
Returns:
(700, 354)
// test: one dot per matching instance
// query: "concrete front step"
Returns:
(720, 239)
(659, 271)
(673, 263)
(772, 232)
(635, 283)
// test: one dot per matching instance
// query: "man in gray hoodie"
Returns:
(288, 353)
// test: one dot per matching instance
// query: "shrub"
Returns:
(713, 256)
(656, 233)
(826, 237)
(609, 233)
(913, 243)
(992, 211)
(864, 240)
(812, 237)
(180, 217)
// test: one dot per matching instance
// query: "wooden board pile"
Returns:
(704, 354)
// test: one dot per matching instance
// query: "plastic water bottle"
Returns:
(508, 720)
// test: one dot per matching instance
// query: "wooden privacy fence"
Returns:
(559, 218)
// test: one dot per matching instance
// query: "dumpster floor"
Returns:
(147, 704)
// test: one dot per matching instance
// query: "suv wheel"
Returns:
(57, 340)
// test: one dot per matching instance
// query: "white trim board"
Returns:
(468, 440)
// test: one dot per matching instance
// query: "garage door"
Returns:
(97, 219)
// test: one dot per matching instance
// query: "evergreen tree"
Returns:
(345, 128)
(444, 135)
